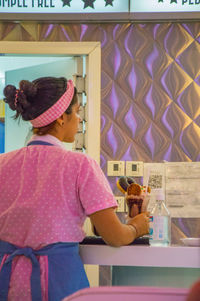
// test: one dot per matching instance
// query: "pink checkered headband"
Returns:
(57, 109)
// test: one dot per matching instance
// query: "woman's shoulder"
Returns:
(81, 157)
(81, 160)
(12, 153)
(11, 156)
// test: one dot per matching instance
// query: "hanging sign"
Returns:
(156, 6)
(64, 6)
(124, 10)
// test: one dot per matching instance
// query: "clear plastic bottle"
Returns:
(160, 223)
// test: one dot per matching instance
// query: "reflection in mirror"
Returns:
(15, 67)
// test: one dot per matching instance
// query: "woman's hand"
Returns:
(141, 223)
(116, 234)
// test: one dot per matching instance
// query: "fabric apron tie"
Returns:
(13, 251)
(35, 275)
(39, 142)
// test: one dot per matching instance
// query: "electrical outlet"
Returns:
(115, 168)
(120, 201)
(134, 168)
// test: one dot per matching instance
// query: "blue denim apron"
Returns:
(66, 273)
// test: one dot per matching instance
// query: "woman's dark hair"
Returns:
(34, 98)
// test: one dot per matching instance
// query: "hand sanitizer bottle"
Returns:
(160, 222)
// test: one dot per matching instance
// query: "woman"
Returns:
(46, 193)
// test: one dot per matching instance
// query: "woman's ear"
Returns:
(60, 120)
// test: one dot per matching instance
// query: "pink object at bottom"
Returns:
(129, 293)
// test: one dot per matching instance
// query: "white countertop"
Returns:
(137, 255)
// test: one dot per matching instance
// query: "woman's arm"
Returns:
(114, 232)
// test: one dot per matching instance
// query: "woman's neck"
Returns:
(56, 134)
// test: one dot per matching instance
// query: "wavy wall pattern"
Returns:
(150, 85)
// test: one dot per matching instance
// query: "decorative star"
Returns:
(173, 1)
(109, 2)
(89, 3)
(66, 2)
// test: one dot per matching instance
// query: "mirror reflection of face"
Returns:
(71, 123)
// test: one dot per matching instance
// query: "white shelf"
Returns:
(137, 255)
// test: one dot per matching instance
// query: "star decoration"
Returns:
(173, 1)
(89, 3)
(109, 2)
(66, 2)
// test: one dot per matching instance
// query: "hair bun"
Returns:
(10, 92)
(29, 88)
(20, 99)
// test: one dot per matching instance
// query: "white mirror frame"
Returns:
(93, 64)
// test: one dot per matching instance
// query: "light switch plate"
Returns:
(134, 168)
(115, 168)
(120, 201)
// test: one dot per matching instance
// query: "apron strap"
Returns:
(5, 274)
(13, 251)
(39, 142)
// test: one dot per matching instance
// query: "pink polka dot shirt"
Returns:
(46, 194)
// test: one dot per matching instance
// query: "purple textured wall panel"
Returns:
(150, 102)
